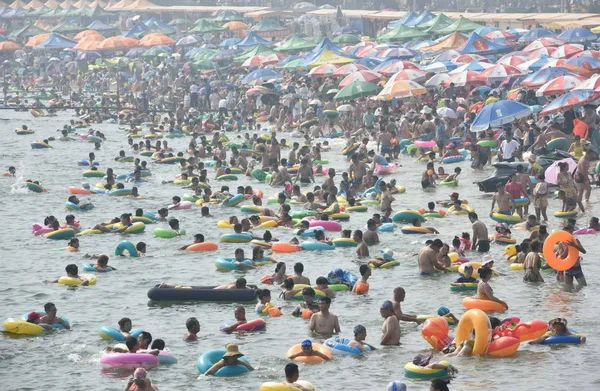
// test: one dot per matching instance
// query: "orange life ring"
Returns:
(552, 259)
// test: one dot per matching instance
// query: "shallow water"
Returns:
(69, 360)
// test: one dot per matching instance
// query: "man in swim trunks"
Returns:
(360, 334)
(357, 170)
(305, 172)
(298, 277)
(240, 318)
(51, 318)
(504, 200)
(481, 240)
(428, 262)
(370, 235)
(291, 377)
(391, 326)
(324, 322)
(399, 296)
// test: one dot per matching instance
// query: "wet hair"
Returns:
(440, 384)
(158, 344)
(363, 269)
(298, 267)
(322, 281)
(141, 247)
(484, 272)
(279, 266)
(535, 246)
(191, 322)
(288, 283)
(326, 299)
(48, 305)
(261, 293)
(72, 269)
(131, 342)
(123, 321)
(199, 238)
(291, 370)
(240, 283)
(146, 336)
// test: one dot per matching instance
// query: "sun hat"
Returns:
(232, 351)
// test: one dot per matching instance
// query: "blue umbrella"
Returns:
(483, 90)
(227, 55)
(439, 66)
(544, 75)
(261, 75)
(499, 113)
(568, 100)
(536, 33)
(369, 62)
(536, 64)
(577, 35)
(589, 63)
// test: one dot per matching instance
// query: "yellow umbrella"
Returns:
(401, 89)
(596, 30)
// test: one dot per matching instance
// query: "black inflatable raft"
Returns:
(164, 292)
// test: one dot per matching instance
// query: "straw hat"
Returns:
(232, 351)
(387, 254)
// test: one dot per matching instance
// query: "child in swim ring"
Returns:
(307, 350)
(558, 327)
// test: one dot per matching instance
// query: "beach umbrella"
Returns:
(475, 66)
(399, 53)
(543, 43)
(347, 69)
(293, 65)
(560, 85)
(464, 78)
(553, 62)
(409, 74)
(87, 33)
(499, 113)
(481, 90)
(436, 80)
(154, 39)
(37, 39)
(87, 56)
(588, 53)
(541, 52)
(467, 58)
(135, 52)
(536, 33)
(401, 89)
(345, 108)
(591, 84)
(369, 62)
(356, 90)
(324, 70)
(261, 75)
(533, 65)
(439, 67)
(447, 55)
(156, 52)
(364, 75)
(551, 173)
(588, 63)
(203, 65)
(396, 67)
(577, 35)
(179, 22)
(346, 39)
(500, 34)
(235, 25)
(252, 62)
(187, 41)
(446, 112)
(514, 61)
(229, 42)
(9, 46)
(257, 90)
(567, 50)
(117, 44)
(541, 77)
(367, 51)
(569, 100)
(271, 59)
(226, 55)
(499, 72)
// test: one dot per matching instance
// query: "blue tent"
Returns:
(229, 42)
(485, 30)
(423, 17)
(136, 30)
(100, 26)
(157, 22)
(55, 41)
(253, 39)
(407, 18)
(476, 44)
(327, 44)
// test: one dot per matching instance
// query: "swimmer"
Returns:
(360, 334)
(72, 272)
(467, 278)
(298, 277)
(324, 322)
(308, 302)
(140, 382)
(391, 328)
(73, 245)
(558, 327)
(240, 318)
(240, 283)
(307, 351)
(102, 264)
(198, 238)
(399, 296)
(484, 291)
(417, 223)
(193, 328)
(51, 318)
(292, 374)
(365, 273)
(35, 318)
(230, 358)
(264, 304)
(323, 286)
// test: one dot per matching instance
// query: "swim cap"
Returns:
(396, 386)
(306, 343)
(359, 329)
(443, 311)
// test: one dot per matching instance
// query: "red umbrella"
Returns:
(409, 74)
(543, 43)
(541, 52)
(568, 50)
(347, 69)
(588, 53)
(499, 72)
(364, 75)
(592, 84)
(397, 67)
(253, 62)
(465, 58)
(512, 60)
(464, 78)
(323, 70)
(499, 34)
(271, 59)
(368, 51)
(560, 85)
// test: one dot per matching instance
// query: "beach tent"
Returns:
(476, 44)
(404, 20)
(165, 28)
(138, 29)
(28, 31)
(16, 13)
(462, 25)
(205, 26)
(67, 27)
(34, 4)
(452, 41)
(423, 17)
(258, 50)
(253, 39)
(55, 41)
(268, 25)
(441, 21)
(295, 43)
(100, 26)
(401, 33)
(327, 53)
(222, 16)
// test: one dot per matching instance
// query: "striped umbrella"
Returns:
(464, 78)
(401, 89)
(368, 51)
(400, 53)
(475, 66)
(543, 43)
(500, 34)
(568, 50)
(324, 70)
(499, 72)
(409, 74)
(553, 62)
(437, 80)
(347, 69)
(253, 62)
(541, 52)
(588, 53)
(591, 64)
(447, 55)
(440, 66)
(271, 59)
(466, 58)
(514, 61)
(541, 77)
(591, 84)
(364, 75)
(533, 65)
(569, 100)
(560, 85)
(396, 67)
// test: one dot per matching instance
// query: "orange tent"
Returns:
(52, 4)
(37, 39)
(18, 4)
(118, 43)
(154, 39)
(87, 33)
(235, 26)
(9, 46)
(455, 40)
(34, 4)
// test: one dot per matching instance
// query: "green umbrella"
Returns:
(357, 89)
(203, 65)
(206, 26)
(180, 22)
(348, 39)
(441, 20)
(156, 52)
(203, 55)
(293, 65)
